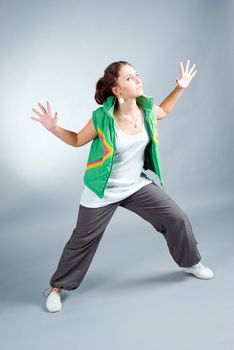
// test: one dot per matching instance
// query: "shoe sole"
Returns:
(200, 277)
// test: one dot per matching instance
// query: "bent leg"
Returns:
(82, 245)
(155, 206)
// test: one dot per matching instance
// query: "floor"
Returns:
(129, 299)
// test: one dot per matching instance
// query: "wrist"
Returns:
(53, 128)
(179, 87)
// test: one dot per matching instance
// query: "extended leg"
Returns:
(82, 245)
(155, 206)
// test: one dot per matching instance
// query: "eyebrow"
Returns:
(129, 74)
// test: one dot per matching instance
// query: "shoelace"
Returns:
(200, 266)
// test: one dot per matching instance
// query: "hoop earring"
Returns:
(121, 100)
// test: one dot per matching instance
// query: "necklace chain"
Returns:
(133, 122)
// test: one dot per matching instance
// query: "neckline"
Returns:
(139, 133)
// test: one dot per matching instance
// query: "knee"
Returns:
(177, 217)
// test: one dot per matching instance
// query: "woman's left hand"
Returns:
(186, 75)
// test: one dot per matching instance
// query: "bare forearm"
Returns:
(67, 136)
(171, 99)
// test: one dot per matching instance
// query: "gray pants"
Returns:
(152, 204)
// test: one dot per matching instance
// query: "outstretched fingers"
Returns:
(42, 107)
(194, 73)
(38, 113)
(37, 119)
(192, 69)
(48, 107)
(186, 70)
(187, 65)
(181, 67)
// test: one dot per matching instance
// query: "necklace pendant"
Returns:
(135, 126)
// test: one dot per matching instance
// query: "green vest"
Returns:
(103, 147)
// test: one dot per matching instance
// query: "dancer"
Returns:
(124, 135)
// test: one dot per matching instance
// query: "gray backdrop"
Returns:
(130, 298)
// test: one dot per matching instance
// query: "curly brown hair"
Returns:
(105, 84)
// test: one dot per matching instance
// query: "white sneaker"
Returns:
(199, 271)
(53, 302)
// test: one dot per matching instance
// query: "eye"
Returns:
(131, 76)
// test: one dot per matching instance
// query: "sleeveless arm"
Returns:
(160, 113)
(87, 134)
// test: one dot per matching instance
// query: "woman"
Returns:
(124, 142)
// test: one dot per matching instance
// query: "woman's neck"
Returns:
(128, 108)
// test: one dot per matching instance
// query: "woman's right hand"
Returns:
(46, 119)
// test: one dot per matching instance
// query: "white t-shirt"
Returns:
(127, 174)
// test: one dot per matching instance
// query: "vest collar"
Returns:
(145, 101)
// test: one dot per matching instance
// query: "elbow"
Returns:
(162, 115)
(165, 113)
(77, 141)
(161, 112)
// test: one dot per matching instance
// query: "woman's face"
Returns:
(129, 82)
